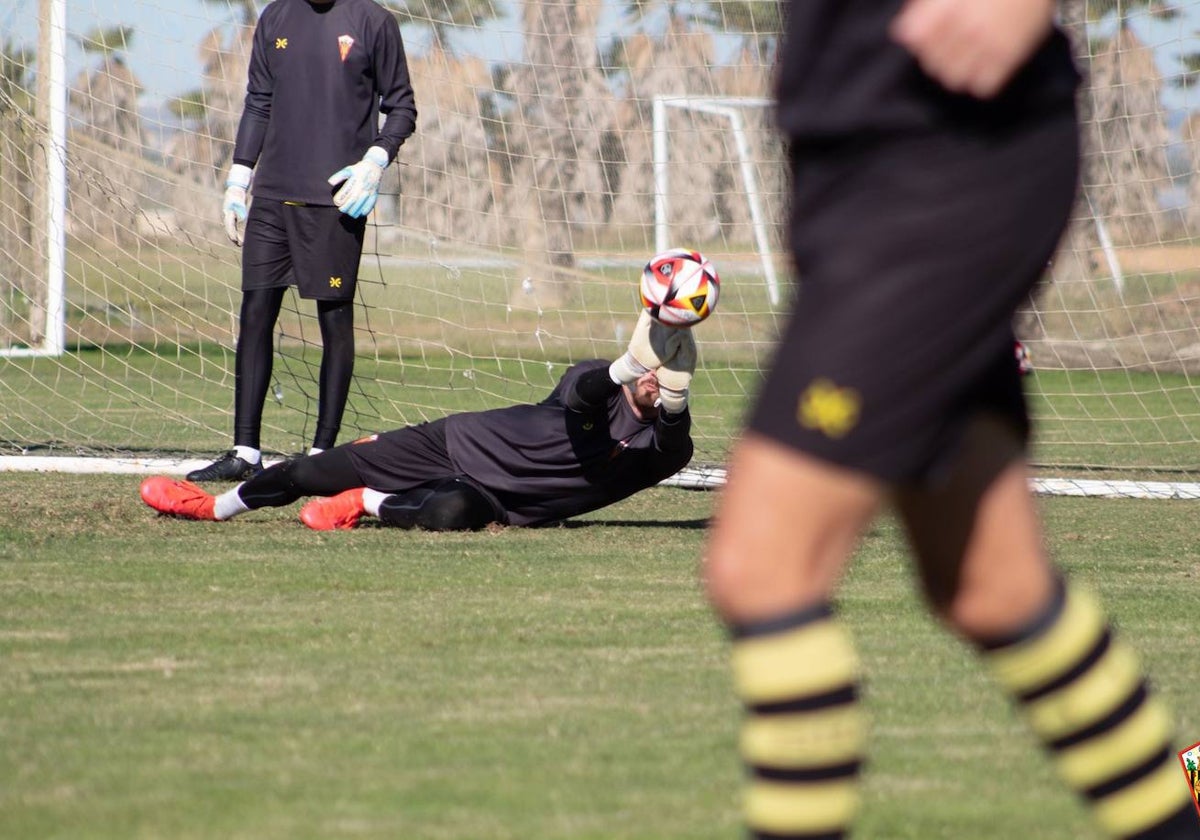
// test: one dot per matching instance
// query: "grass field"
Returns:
(169, 679)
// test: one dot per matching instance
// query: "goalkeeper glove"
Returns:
(650, 347)
(675, 376)
(358, 194)
(233, 206)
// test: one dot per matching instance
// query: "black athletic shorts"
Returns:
(313, 247)
(912, 255)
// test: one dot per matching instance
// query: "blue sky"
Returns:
(167, 32)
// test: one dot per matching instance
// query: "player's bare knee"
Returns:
(981, 612)
(748, 585)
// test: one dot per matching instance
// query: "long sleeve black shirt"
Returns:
(842, 74)
(319, 77)
(580, 449)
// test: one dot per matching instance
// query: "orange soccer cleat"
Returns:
(178, 498)
(334, 513)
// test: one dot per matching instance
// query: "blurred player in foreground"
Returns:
(606, 431)
(934, 149)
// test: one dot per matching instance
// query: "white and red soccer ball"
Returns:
(680, 287)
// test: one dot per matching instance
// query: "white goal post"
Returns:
(728, 108)
(52, 93)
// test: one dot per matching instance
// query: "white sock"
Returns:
(248, 454)
(315, 450)
(229, 504)
(372, 499)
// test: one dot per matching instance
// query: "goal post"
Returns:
(50, 179)
(728, 108)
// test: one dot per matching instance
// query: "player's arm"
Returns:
(251, 134)
(397, 102)
(973, 46)
(673, 435)
(360, 181)
(587, 390)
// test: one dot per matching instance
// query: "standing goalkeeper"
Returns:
(321, 72)
(605, 432)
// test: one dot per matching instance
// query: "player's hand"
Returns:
(360, 189)
(233, 205)
(650, 347)
(973, 46)
(675, 376)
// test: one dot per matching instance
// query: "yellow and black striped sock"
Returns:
(1084, 695)
(804, 732)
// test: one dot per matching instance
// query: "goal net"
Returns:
(558, 145)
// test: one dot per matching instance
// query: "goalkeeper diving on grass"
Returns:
(606, 431)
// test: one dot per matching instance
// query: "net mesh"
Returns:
(510, 234)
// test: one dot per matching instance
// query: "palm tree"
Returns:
(199, 151)
(109, 142)
(1125, 134)
(442, 17)
(757, 23)
(562, 133)
(105, 96)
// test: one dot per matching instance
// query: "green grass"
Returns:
(253, 679)
(130, 399)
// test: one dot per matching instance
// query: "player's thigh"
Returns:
(404, 458)
(266, 251)
(326, 247)
(976, 535)
(785, 527)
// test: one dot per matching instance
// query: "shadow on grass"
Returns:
(693, 524)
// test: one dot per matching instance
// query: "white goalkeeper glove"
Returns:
(650, 347)
(233, 205)
(675, 376)
(358, 194)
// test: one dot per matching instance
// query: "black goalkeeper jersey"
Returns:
(563, 456)
(320, 75)
(841, 74)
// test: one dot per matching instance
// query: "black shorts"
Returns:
(411, 457)
(315, 248)
(913, 254)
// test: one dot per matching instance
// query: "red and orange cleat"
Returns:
(178, 498)
(340, 512)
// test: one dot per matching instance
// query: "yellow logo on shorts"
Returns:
(281, 43)
(828, 409)
(335, 282)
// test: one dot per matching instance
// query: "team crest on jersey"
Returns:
(1190, 759)
(345, 42)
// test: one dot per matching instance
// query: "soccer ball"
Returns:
(680, 288)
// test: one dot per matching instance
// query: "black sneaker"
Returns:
(229, 467)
